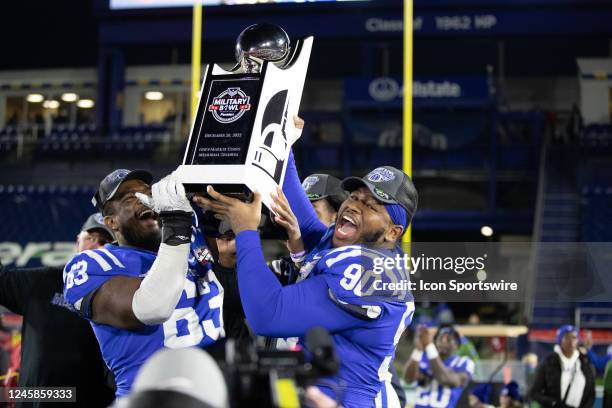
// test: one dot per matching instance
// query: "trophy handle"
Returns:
(297, 51)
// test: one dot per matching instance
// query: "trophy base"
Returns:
(239, 191)
(214, 228)
(268, 229)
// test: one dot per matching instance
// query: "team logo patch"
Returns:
(203, 255)
(381, 193)
(118, 174)
(309, 182)
(381, 174)
(230, 105)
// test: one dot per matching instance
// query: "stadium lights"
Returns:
(35, 98)
(51, 104)
(70, 97)
(154, 95)
(486, 231)
(85, 103)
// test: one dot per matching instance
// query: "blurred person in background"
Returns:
(58, 349)
(509, 396)
(94, 234)
(441, 374)
(607, 386)
(600, 362)
(566, 377)
(326, 195)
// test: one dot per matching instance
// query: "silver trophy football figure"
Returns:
(262, 42)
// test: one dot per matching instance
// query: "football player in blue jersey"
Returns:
(340, 287)
(441, 375)
(139, 293)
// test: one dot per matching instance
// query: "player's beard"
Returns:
(371, 238)
(135, 238)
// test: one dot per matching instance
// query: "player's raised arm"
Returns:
(312, 229)
(457, 376)
(270, 308)
(412, 370)
(100, 286)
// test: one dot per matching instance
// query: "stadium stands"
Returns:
(44, 213)
(129, 142)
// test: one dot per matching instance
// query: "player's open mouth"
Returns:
(346, 227)
(147, 214)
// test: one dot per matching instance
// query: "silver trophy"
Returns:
(241, 135)
(262, 42)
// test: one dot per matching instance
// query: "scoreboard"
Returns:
(145, 4)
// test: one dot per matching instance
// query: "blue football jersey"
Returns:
(367, 351)
(435, 395)
(196, 321)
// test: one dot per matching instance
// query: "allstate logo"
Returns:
(384, 89)
(230, 105)
(381, 174)
(309, 182)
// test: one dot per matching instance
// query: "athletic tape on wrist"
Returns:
(431, 351)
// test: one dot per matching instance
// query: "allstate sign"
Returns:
(388, 90)
(385, 89)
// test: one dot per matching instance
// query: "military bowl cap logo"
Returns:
(380, 174)
(117, 174)
(229, 105)
(309, 182)
(99, 218)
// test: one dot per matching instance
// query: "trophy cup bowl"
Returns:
(267, 42)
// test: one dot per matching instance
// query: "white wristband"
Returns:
(417, 355)
(431, 351)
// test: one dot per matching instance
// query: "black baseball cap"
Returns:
(110, 184)
(320, 186)
(448, 329)
(96, 222)
(388, 185)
